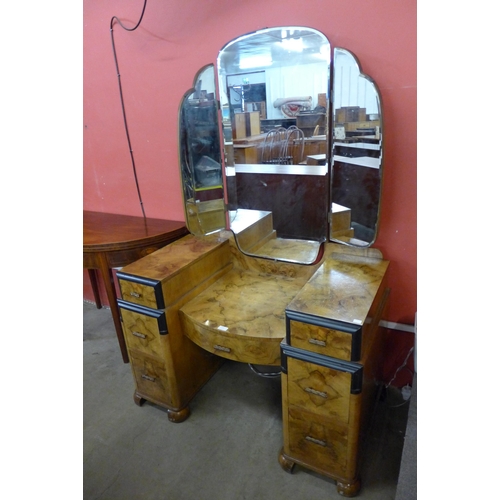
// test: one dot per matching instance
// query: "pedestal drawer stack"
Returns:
(168, 368)
(331, 359)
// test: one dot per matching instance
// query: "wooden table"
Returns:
(111, 240)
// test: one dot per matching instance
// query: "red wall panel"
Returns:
(158, 62)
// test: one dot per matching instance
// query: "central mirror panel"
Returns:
(274, 94)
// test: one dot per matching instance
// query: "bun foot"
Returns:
(286, 464)
(348, 489)
(138, 400)
(179, 416)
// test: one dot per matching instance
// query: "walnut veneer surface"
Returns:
(199, 300)
(241, 316)
(331, 365)
(168, 368)
(343, 289)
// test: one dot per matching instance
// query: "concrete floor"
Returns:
(226, 450)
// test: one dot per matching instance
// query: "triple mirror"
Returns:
(282, 143)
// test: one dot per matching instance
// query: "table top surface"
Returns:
(107, 232)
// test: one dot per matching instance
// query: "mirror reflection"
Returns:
(200, 156)
(274, 89)
(302, 138)
(356, 153)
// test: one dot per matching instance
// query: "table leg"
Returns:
(113, 304)
(95, 287)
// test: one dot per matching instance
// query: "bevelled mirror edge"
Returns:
(254, 67)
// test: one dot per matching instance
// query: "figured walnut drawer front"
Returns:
(320, 385)
(318, 389)
(143, 328)
(326, 337)
(318, 441)
(141, 291)
(150, 377)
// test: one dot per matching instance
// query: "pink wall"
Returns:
(158, 62)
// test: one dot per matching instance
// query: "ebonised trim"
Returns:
(354, 369)
(154, 284)
(160, 316)
(354, 330)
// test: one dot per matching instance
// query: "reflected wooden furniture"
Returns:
(112, 240)
(357, 179)
(248, 149)
(246, 153)
(310, 122)
(246, 124)
(200, 300)
(315, 145)
(268, 188)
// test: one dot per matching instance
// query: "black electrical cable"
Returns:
(113, 19)
(264, 374)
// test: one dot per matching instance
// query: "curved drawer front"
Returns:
(259, 351)
(143, 328)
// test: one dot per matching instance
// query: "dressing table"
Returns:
(241, 287)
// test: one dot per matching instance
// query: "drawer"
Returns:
(228, 345)
(151, 378)
(318, 389)
(322, 340)
(318, 441)
(143, 328)
(141, 291)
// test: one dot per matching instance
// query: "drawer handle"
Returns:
(135, 294)
(316, 441)
(221, 348)
(310, 390)
(140, 335)
(147, 377)
(321, 343)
